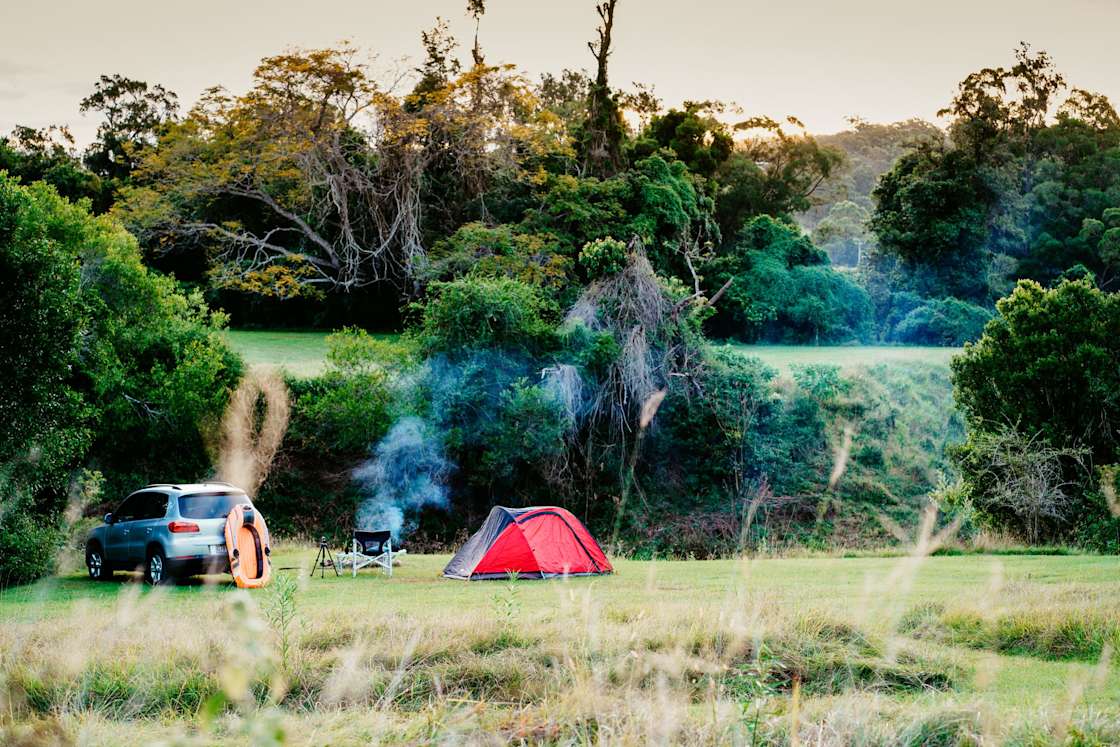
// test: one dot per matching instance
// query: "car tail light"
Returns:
(183, 526)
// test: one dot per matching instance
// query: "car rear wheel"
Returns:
(98, 568)
(155, 569)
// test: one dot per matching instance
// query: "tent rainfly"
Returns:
(538, 542)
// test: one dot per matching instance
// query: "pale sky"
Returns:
(821, 60)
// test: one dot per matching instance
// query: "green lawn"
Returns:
(302, 353)
(119, 663)
(298, 353)
(783, 357)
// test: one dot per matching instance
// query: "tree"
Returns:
(693, 134)
(109, 364)
(476, 9)
(1009, 195)
(1048, 363)
(783, 289)
(48, 155)
(774, 173)
(565, 95)
(997, 108)
(481, 251)
(656, 200)
(134, 114)
(932, 213)
(40, 282)
(317, 180)
(870, 150)
(844, 233)
(1047, 366)
(600, 141)
(440, 63)
(940, 321)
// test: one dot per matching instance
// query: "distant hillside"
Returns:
(870, 151)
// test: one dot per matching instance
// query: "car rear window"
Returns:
(209, 505)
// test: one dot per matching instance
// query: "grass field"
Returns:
(303, 353)
(814, 651)
(783, 357)
(299, 353)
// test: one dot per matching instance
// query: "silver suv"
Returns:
(165, 530)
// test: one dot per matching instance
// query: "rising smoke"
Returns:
(407, 472)
(564, 383)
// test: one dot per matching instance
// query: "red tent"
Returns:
(538, 542)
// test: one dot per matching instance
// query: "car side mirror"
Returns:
(108, 518)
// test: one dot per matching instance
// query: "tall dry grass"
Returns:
(741, 667)
(253, 429)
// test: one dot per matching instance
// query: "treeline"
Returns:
(321, 197)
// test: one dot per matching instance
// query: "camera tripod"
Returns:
(324, 560)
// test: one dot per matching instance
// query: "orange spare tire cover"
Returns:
(248, 546)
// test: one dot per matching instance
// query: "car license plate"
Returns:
(217, 549)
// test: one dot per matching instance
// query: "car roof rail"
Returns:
(162, 485)
(221, 482)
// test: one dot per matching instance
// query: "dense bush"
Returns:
(1048, 366)
(724, 441)
(656, 201)
(768, 446)
(498, 425)
(29, 539)
(1020, 484)
(349, 406)
(783, 289)
(941, 321)
(40, 280)
(484, 312)
(110, 363)
(502, 251)
(602, 257)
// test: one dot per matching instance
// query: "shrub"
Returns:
(941, 321)
(1049, 364)
(503, 430)
(1099, 528)
(353, 350)
(1016, 481)
(29, 542)
(339, 412)
(473, 313)
(784, 289)
(503, 251)
(603, 257)
(726, 438)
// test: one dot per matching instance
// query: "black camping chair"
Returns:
(370, 548)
